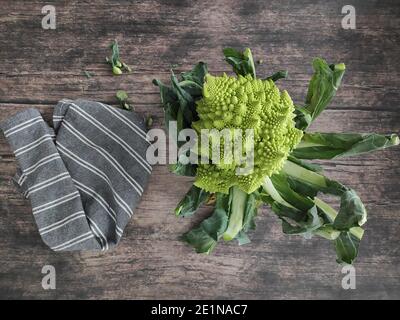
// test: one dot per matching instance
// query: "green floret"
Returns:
(245, 103)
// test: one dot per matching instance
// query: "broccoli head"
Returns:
(244, 103)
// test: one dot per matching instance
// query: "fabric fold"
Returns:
(85, 176)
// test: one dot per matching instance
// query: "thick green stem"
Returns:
(331, 214)
(268, 186)
(307, 144)
(238, 205)
(326, 208)
(301, 173)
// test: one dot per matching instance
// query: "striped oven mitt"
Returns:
(85, 176)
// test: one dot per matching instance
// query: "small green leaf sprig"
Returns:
(117, 65)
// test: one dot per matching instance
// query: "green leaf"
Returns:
(282, 185)
(235, 211)
(302, 187)
(121, 95)
(200, 240)
(330, 215)
(115, 60)
(282, 74)
(149, 122)
(313, 180)
(242, 238)
(187, 170)
(307, 165)
(178, 102)
(333, 225)
(346, 246)
(251, 210)
(168, 96)
(87, 74)
(352, 212)
(327, 232)
(205, 237)
(122, 98)
(216, 225)
(303, 118)
(298, 212)
(170, 103)
(335, 145)
(299, 186)
(322, 88)
(186, 103)
(295, 221)
(193, 199)
(241, 62)
(193, 80)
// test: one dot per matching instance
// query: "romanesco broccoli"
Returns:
(246, 103)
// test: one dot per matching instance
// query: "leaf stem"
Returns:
(304, 174)
(239, 198)
(270, 189)
(332, 213)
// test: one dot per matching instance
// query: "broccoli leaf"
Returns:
(322, 88)
(308, 165)
(186, 102)
(251, 210)
(169, 100)
(216, 224)
(228, 209)
(115, 61)
(114, 54)
(313, 180)
(241, 62)
(346, 246)
(123, 98)
(297, 183)
(242, 238)
(323, 85)
(200, 240)
(193, 80)
(187, 170)
(204, 238)
(295, 221)
(282, 185)
(335, 145)
(352, 212)
(281, 74)
(178, 102)
(193, 199)
(303, 118)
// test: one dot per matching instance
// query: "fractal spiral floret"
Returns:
(246, 103)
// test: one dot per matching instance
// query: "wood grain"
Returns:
(39, 67)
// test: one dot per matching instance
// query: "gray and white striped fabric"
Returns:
(85, 176)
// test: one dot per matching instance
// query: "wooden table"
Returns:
(39, 67)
